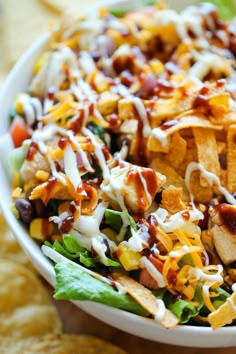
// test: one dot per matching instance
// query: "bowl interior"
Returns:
(194, 336)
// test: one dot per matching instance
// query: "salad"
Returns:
(124, 161)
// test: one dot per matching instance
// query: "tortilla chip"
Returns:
(25, 308)
(207, 152)
(177, 150)
(225, 314)
(200, 193)
(172, 177)
(172, 199)
(145, 298)
(231, 158)
(19, 287)
(10, 249)
(72, 344)
(30, 320)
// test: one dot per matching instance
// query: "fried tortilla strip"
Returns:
(72, 344)
(200, 193)
(231, 158)
(54, 189)
(225, 314)
(207, 151)
(162, 133)
(145, 298)
(177, 150)
(172, 199)
(172, 177)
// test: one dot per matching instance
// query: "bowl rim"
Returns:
(45, 266)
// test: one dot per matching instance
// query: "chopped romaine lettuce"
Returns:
(71, 249)
(113, 218)
(226, 8)
(121, 11)
(75, 284)
(17, 156)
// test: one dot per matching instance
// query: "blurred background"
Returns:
(22, 22)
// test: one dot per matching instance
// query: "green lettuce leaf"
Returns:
(182, 309)
(71, 249)
(122, 11)
(226, 8)
(113, 218)
(17, 156)
(72, 283)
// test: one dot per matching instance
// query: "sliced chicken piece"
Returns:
(223, 217)
(132, 187)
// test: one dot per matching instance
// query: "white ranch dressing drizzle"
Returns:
(112, 186)
(145, 263)
(234, 287)
(47, 132)
(176, 254)
(55, 74)
(47, 104)
(31, 106)
(205, 62)
(211, 179)
(86, 62)
(83, 155)
(176, 221)
(160, 135)
(144, 183)
(98, 152)
(161, 310)
(200, 275)
(143, 115)
(54, 171)
(57, 257)
(205, 290)
(70, 166)
(135, 242)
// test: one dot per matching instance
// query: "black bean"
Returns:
(25, 209)
(39, 208)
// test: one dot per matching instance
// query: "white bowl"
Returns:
(192, 336)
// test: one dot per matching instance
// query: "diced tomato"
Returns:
(19, 131)
(146, 279)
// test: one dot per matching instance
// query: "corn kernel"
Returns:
(40, 229)
(129, 259)
(16, 180)
(111, 234)
(17, 193)
(40, 62)
(19, 107)
(157, 66)
(42, 175)
(30, 184)
(189, 291)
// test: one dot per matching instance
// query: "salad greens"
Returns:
(71, 249)
(226, 8)
(76, 284)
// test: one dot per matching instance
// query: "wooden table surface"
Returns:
(11, 46)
